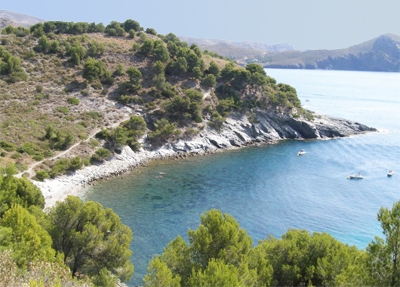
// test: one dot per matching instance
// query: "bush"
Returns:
(101, 154)
(7, 146)
(164, 131)
(42, 175)
(39, 88)
(73, 101)
(209, 81)
(63, 110)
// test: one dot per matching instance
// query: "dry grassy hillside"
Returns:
(48, 103)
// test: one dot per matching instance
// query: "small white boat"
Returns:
(355, 176)
(390, 173)
(301, 152)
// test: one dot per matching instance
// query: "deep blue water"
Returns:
(269, 189)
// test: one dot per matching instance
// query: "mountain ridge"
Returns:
(17, 19)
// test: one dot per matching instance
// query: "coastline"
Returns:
(59, 188)
(237, 132)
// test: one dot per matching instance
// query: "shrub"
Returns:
(164, 130)
(73, 101)
(42, 175)
(101, 154)
(63, 110)
(39, 88)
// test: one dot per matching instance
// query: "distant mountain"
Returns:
(17, 19)
(379, 54)
(238, 51)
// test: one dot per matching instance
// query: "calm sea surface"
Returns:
(269, 189)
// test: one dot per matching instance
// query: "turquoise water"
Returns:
(269, 189)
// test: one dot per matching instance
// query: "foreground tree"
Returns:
(384, 254)
(218, 255)
(17, 191)
(317, 259)
(91, 238)
(21, 234)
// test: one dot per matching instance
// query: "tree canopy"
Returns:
(91, 238)
(220, 253)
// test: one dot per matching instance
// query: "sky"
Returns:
(304, 24)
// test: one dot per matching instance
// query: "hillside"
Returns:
(17, 19)
(74, 94)
(62, 88)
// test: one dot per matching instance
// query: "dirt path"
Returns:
(91, 135)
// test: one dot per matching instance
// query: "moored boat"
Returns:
(390, 173)
(355, 176)
(301, 152)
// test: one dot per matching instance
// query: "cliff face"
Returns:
(237, 131)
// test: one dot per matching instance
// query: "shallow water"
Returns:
(269, 189)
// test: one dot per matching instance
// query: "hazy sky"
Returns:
(305, 24)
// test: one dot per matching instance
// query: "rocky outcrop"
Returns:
(237, 131)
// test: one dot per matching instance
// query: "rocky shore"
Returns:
(237, 131)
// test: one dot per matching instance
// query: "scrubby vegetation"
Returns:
(73, 240)
(61, 81)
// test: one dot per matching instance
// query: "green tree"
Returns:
(8, 30)
(96, 49)
(159, 275)
(214, 69)
(160, 82)
(228, 72)
(218, 255)
(159, 68)
(160, 52)
(151, 31)
(132, 25)
(193, 61)
(91, 238)
(172, 48)
(25, 237)
(135, 76)
(164, 130)
(132, 33)
(197, 73)
(256, 68)
(105, 279)
(90, 70)
(147, 47)
(43, 44)
(178, 67)
(76, 52)
(216, 274)
(384, 254)
(218, 236)
(93, 70)
(196, 49)
(301, 258)
(209, 81)
(115, 29)
(17, 191)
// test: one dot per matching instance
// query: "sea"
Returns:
(268, 189)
